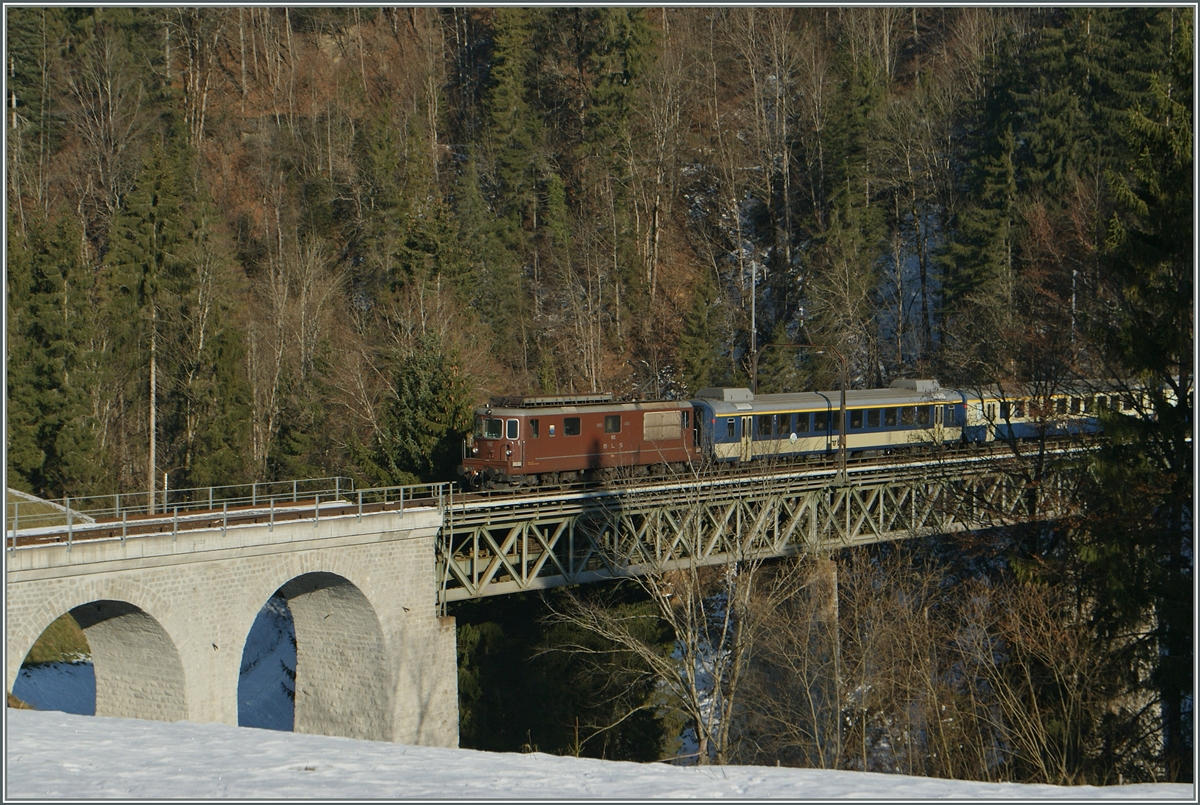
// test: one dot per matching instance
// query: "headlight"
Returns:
(475, 450)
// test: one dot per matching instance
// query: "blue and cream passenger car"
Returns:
(735, 425)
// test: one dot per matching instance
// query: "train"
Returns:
(553, 440)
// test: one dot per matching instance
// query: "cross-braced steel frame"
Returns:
(514, 543)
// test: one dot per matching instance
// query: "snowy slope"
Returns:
(60, 755)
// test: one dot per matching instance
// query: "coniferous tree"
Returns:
(1139, 541)
(699, 343)
(145, 244)
(52, 445)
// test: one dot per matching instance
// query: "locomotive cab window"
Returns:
(514, 429)
(571, 426)
(612, 423)
(489, 428)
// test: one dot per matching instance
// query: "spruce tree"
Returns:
(1139, 542)
(700, 342)
(52, 446)
(145, 241)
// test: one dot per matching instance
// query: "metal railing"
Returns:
(28, 514)
(123, 515)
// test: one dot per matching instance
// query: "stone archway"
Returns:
(138, 670)
(343, 679)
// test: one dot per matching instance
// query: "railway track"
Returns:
(470, 507)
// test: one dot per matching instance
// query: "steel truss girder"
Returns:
(498, 548)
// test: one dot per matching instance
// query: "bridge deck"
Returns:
(499, 544)
(494, 543)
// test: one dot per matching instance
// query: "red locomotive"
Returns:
(525, 441)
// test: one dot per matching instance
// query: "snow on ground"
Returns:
(62, 755)
(70, 754)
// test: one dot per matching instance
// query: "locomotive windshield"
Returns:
(488, 428)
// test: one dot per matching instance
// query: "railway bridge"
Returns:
(166, 593)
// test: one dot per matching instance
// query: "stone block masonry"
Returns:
(167, 619)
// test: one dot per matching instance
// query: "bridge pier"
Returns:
(167, 618)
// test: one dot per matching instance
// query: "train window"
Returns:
(1018, 408)
(731, 428)
(889, 417)
(991, 412)
(908, 415)
(684, 418)
(1076, 405)
(873, 418)
(1060, 405)
(493, 428)
(533, 428)
(923, 415)
(836, 418)
(802, 423)
(551, 430)
(1101, 403)
(571, 426)
(820, 421)
(764, 424)
(948, 416)
(1005, 410)
(612, 423)
(856, 419)
(514, 429)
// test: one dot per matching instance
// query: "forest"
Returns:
(249, 244)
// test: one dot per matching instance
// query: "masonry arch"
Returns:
(343, 680)
(56, 673)
(139, 673)
(267, 673)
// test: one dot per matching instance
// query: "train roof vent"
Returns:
(550, 400)
(915, 385)
(726, 395)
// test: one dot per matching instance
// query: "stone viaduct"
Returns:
(167, 611)
(167, 616)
